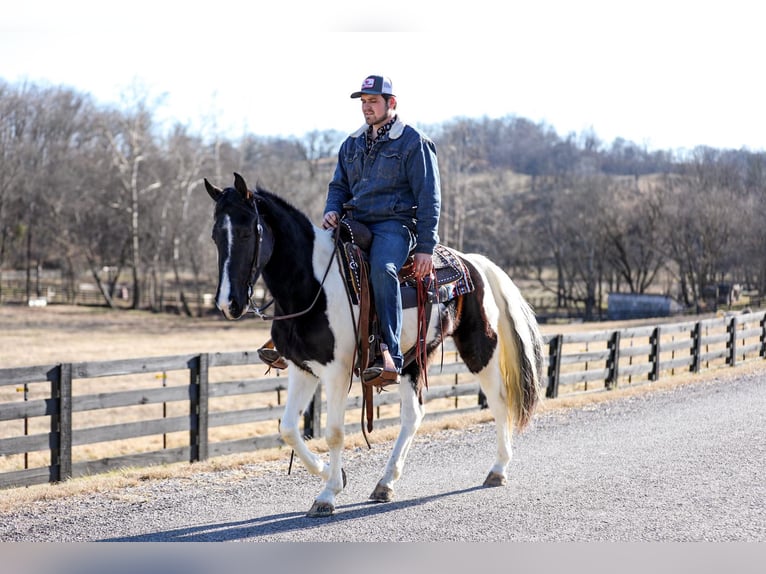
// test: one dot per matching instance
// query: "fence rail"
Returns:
(582, 362)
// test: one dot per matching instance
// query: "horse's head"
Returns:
(244, 245)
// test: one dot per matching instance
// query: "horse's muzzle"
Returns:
(232, 310)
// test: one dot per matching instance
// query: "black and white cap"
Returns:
(375, 85)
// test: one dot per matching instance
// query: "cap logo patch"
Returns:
(368, 83)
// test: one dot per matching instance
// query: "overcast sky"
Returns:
(665, 74)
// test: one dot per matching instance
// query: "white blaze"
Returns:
(224, 288)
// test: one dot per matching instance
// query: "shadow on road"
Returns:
(279, 523)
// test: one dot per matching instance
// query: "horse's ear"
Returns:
(212, 190)
(241, 187)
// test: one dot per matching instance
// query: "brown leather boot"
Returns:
(269, 355)
(383, 372)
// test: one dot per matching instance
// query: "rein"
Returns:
(260, 310)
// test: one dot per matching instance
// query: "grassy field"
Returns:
(67, 333)
(64, 333)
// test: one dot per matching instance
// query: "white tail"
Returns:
(521, 345)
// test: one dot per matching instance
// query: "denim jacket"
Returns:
(399, 179)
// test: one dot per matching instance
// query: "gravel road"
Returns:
(685, 464)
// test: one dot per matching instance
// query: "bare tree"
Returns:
(460, 152)
(633, 226)
(104, 190)
(186, 159)
(702, 225)
(133, 151)
(43, 130)
(751, 241)
(14, 117)
(573, 230)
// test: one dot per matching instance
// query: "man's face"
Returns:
(376, 109)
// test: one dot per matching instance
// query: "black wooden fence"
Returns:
(582, 362)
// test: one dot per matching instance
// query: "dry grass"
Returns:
(63, 333)
(38, 336)
(67, 333)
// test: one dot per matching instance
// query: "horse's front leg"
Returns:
(335, 476)
(300, 391)
(412, 415)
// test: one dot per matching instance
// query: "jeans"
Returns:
(391, 243)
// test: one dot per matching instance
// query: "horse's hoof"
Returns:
(320, 510)
(494, 479)
(382, 494)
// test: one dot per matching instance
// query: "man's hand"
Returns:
(330, 220)
(424, 265)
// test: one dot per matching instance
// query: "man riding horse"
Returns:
(387, 177)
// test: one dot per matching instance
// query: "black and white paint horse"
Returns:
(494, 330)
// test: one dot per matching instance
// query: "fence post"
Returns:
(308, 421)
(613, 361)
(654, 356)
(312, 417)
(554, 366)
(696, 349)
(61, 423)
(198, 408)
(762, 352)
(731, 344)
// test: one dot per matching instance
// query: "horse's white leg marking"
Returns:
(300, 389)
(335, 376)
(224, 286)
(335, 386)
(411, 417)
(490, 381)
(412, 413)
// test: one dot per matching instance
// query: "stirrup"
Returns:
(379, 377)
(383, 372)
(272, 358)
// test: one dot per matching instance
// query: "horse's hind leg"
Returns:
(490, 381)
(411, 417)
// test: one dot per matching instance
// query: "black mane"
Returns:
(289, 278)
